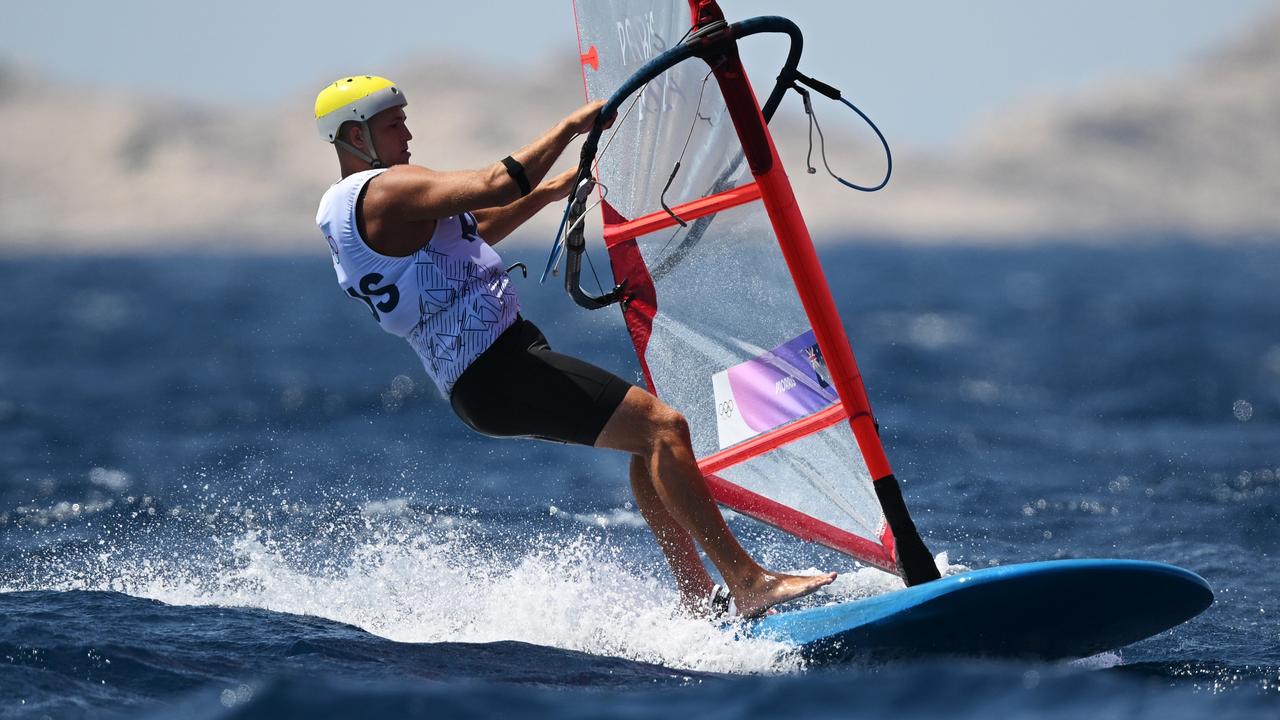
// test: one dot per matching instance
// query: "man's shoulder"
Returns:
(386, 192)
(395, 179)
(340, 194)
(348, 182)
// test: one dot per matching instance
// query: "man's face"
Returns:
(390, 136)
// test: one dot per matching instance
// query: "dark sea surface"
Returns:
(225, 493)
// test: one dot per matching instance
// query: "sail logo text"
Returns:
(638, 42)
(637, 38)
(784, 385)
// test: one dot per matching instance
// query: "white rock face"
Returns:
(1195, 154)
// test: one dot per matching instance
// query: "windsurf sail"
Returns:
(720, 286)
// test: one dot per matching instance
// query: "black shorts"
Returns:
(520, 387)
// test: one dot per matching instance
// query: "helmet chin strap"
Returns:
(370, 157)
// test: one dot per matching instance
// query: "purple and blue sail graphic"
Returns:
(774, 388)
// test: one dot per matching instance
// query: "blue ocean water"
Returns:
(224, 493)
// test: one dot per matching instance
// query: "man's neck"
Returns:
(350, 166)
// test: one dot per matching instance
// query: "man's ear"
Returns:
(355, 136)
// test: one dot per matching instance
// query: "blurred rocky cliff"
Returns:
(1192, 154)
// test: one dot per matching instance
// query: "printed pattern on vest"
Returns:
(464, 306)
(465, 300)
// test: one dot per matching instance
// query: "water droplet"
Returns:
(1243, 410)
(402, 385)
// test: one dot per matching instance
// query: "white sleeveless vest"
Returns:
(451, 299)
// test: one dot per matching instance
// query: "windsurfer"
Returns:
(414, 245)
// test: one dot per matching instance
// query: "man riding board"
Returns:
(415, 246)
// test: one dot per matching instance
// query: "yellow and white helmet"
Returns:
(355, 99)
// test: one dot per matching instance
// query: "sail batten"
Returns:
(692, 210)
(775, 438)
(877, 553)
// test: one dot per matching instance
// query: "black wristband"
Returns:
(516, 171)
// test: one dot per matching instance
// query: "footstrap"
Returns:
(721, 602)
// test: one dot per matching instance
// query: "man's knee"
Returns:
(669, 426)
(644, 425)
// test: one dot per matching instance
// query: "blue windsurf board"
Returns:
(1044, 610)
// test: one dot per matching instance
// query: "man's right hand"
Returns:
(559, 187)
(581, 120)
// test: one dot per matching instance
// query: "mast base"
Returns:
(914, 558)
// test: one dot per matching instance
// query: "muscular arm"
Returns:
(411, 193)
(498, 222)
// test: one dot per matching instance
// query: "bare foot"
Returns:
(770, 590)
